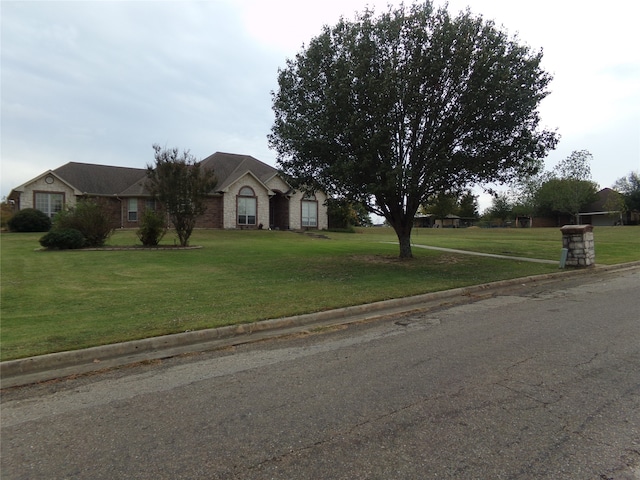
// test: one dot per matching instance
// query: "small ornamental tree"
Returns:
(393, 110)
(568, 188)
(181, 185)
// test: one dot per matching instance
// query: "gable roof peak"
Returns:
(229, 167)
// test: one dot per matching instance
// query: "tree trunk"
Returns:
(405, 246)
(403, 231)
(402, 223)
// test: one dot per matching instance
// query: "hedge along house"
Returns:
(249, 194)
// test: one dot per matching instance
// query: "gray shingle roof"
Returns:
(606, 200)
(102, 179)
(110, 180)
(229, 167)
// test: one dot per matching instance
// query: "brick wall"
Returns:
(213, 216)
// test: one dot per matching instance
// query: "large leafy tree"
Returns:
(468, 205)
(181, 186)
(464, 204)
(346, 214)
(576, 166)
(524, 193)
(441, 205)
(501, 207)
(391, 110)
(565, 196)
(629, 187)
(568, 188)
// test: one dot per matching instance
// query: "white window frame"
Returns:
(132, 210)
(247, 207)
(309, 213)
(46, 202)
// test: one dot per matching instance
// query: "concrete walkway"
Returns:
(492, 255)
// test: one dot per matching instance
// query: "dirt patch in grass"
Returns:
(379, 259)
(394, 259)
(449, 259)
(135, 247)
(315, 235)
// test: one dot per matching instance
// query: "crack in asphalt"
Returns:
(349, 431)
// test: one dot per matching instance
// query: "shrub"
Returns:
(63, 239)
(29, 220)
(6, 212)
(89, 218)
(152, 228)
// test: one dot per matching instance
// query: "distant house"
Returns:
(607, 210)
(430, 220)
(557, 220)
(424, 221)
(249, 194)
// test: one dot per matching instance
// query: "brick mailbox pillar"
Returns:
(578, 241)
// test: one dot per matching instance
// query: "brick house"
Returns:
(249, 194)
(607, 210)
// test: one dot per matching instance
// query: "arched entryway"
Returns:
(279, 211)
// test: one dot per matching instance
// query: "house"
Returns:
(430, 220)
(607, 210)
(249, 194)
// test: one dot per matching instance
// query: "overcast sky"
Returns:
(100, 82)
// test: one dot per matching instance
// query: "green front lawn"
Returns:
(63, 300)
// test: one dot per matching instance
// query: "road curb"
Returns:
(55, 365)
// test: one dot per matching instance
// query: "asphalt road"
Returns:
(536, 382)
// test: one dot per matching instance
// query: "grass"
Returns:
(64, 300)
